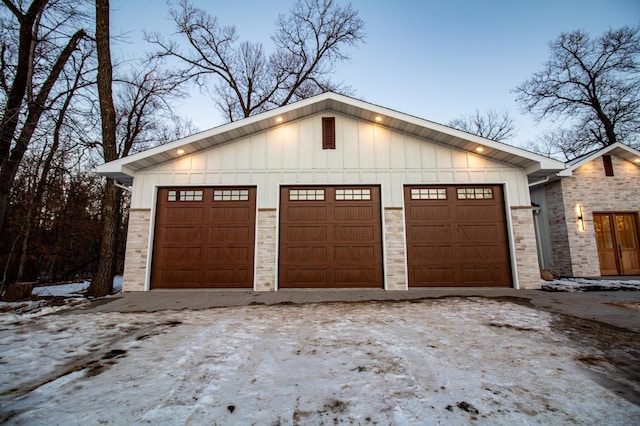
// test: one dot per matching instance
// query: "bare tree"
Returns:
(23, 88)
(491, 125)
(595, 83)
(247, 81)
(561, 144)
(143, 107)
(102, 282)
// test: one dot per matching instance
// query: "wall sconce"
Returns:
(580, 217)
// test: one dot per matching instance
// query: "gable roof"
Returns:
(536, 166)
(620, 150)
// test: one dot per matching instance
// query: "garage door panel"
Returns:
(229, 277)
(432, 253)
(228, 255)
(330, 237)
(483, 276)
(479, 213)
(456, 236)
(355, 277)
(344, 233)
(306, 277)
(480, 232)
(181, 234)
(230, 214)
(480, 252)
(229, 234)
(177, 276)
(436, 276)
(183, 215)
(305, 255)
(306, 233)
(430, 232)
(181, 254)
(430, 213)
(306, 213)
(354, 254)
(356, 213)
(204, 238)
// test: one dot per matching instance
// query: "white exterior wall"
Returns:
(365, 153)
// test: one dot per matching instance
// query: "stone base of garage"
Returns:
(526, 261)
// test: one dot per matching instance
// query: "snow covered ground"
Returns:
(587, 284)
(452, 361)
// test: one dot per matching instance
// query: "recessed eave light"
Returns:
(479, 149)
(378, 118)
(637, 160)
(279, 120)
(180, 151)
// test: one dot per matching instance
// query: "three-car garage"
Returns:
(331, 237)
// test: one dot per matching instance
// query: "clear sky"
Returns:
(436, 60)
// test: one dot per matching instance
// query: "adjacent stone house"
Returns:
(331, 192)
(587, 215)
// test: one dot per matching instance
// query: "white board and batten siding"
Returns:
(365, 153)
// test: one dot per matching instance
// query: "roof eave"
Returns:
(125, 168)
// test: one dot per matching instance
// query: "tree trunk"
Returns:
(102, 282)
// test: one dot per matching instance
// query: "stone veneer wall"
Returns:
(595, 192)
(265, 279)
(524, 242)
(560, 251)
(395, 266)
(135, 264)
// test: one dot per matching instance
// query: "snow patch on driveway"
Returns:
(434, 362)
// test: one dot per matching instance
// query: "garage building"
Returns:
(331, 192)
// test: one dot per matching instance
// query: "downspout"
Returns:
(540, 182)
(121, 186)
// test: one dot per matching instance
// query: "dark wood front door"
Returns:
(330, 237)
(456, 236)
(204, 238)
(618, 245)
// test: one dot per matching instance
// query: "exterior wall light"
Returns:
(580, 216)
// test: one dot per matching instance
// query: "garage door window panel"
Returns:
(474, 193)
(428, 193)
(306, 195)
(231, 195)
(186, 195)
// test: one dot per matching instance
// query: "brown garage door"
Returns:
(204, 238)
(330, 237)
(456, 236)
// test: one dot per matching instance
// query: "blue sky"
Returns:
(436, 60)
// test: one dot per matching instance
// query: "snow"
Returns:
(589, 284)
(73, 294)
(438, 361)
(73, 288)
